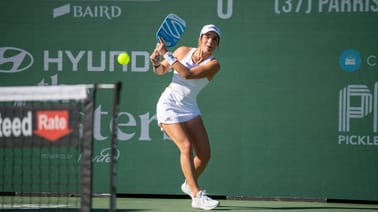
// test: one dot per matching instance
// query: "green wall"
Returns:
(292, 113)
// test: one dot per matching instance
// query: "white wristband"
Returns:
(170, 58)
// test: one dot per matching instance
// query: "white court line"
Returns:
(24, 206)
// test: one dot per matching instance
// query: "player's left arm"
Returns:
(207, 70)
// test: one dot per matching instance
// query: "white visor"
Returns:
(209, 28)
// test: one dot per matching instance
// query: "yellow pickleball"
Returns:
(123, 58)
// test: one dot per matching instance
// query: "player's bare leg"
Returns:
(181, 137)
(200, 143)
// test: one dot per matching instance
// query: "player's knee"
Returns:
(204, 157)
(186, 148)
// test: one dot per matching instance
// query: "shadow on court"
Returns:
(252, 208)
(71, 210)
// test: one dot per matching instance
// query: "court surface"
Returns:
(130, 204)
(183, 205)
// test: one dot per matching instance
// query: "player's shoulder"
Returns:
(182, 50)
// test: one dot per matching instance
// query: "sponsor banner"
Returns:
(324, 6)
(13, 60)
(39, 127)
(88, 11)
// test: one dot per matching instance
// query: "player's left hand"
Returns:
(160, 47)
(155, 57)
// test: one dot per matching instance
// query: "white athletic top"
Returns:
(178, 102)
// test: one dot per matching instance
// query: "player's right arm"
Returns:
(156, 63)
(162, 67)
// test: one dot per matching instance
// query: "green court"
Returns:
(178, 204)
(183, 205)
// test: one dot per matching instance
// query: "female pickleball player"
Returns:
(177, 111)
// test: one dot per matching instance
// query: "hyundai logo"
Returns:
(14, 60)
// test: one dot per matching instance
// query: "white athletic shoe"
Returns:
(186, 189)
(202, 201)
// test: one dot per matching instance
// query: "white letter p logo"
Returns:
(367, 104)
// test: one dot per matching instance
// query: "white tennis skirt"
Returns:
(173, 108)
